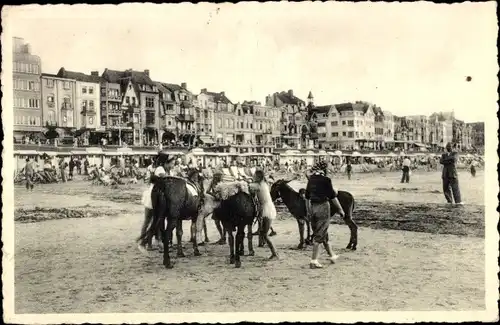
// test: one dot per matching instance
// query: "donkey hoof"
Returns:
(349, 246)
(273, 233)
(353, 248)
(232, 260)
(241, 253)
(179, 254)
(237, 264)
(207, 240)
(169, 265)
(197, 253)
(251, 253)
(300, 246)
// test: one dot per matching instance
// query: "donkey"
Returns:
(296, 206)
(174, 202)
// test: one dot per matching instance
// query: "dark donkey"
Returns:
(297, 207)
(173, 202)
(236, 213)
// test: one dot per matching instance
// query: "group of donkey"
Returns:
(173, 203)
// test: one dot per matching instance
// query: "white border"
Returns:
(491, 246)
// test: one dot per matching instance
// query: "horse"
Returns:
(236, 210)
(296, 206)
(175, 199)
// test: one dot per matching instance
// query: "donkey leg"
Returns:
(308, 241)
(230, 239)
(353, 227)
(301, 223)
(221, 231)
(166, 239)
(251, 252)
(240, 248)
(205, 230)
(179, 233)
(240, 235)
(194, 231)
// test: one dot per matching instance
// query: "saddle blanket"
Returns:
(146, 195)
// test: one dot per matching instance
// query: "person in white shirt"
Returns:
(406, 170)
(161, 168)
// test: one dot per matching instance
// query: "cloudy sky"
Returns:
(407, 58)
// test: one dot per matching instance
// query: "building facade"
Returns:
(140, 106)
(177, 113)
(58, 98)
(87, 113)
(477, 135)
(27, 69)
(294, 118)
(223, 131)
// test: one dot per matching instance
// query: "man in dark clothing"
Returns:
(320, 192)
(348, 169)
(450, 176)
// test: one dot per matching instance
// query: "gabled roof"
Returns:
(289, 99)
(218, 97)
(137, 77)
(378, 110)
(322, 109)
(63, 73)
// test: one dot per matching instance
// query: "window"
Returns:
(50, 99)
(52, 116)
(320, 124)
(91, 90)
(133, 101)
(350, 134)
(343, 122)
(150, 102)
(335, 123)
(91, 105)
(84, 105)
(335, 134)
(91, 120)
(50, 83)
(219, 123)
(33, 103)
(150, 117)
(344, 134)
(84, 90)
(350, 123)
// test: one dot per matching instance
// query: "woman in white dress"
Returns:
(267, 208)
(160, 168)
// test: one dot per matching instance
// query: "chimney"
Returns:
(94, 73)
(223, 93)
(146, 72)
(290, 92)
(204, 91)
(184, 85)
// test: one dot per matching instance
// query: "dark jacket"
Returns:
(449, 161)
(319, 189)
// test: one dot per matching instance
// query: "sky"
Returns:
(410, 58)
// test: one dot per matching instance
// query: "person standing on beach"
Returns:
(320, 192)
(406, 170)
(348, 169)
(29, 171)
(451, 188)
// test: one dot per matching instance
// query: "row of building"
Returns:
(130, 107)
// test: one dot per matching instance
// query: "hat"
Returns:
(164, 157)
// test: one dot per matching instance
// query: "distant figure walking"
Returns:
(406, 170)
(451, 188)
(348, 169)
(28, 173)
(473, 168)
